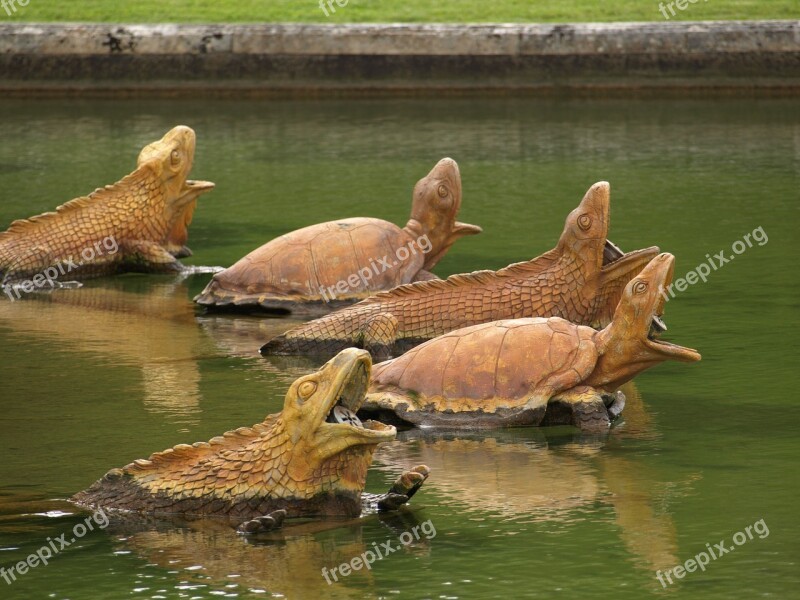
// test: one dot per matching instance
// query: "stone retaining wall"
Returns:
(269, 58)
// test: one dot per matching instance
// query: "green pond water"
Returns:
(95, 377)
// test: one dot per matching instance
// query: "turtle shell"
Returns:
(326, 258)
(502, 372)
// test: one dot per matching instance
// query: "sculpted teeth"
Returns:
(350, 398)
(342, 415)
(611, 253)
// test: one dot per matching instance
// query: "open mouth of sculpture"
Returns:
(198, 185)
(349, 398)
(611, 254)
(657, 326)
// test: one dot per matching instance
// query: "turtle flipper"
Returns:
(379, 334)
(586, 408)
(615, 403)
(403, 488)
(591, 415)
(273, 520)
(410, 481)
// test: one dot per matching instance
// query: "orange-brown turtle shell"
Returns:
(338, 261)
(490, 375)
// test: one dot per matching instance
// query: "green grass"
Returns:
(383, 11)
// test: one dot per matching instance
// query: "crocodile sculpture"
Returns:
(580, 280)
(513, 372)
(311, 459)
(138, 224)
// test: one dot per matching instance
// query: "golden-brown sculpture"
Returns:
(333, 264)
(579, 280)
(510, 373)
(309, 460)
(138, 224)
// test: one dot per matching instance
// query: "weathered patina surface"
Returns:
(333, 264)
(513, 372)
(138, 224)
(309, 460)
(580, 280)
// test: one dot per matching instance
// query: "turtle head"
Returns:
(327, 439)
(435, 206)
(631, 344)
(171, 158)
(642, 306)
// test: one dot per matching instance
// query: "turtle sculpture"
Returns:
(328, 265)
(580, 280)
(532, 371)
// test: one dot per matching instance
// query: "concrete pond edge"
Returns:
(311, 59)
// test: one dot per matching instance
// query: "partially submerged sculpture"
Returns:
(309, 460)
(138, 224)
(580, 280)
(512, 372)
(332, 264)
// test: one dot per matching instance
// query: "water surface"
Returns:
(95, 377)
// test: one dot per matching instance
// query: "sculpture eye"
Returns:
(640, 287)
(306, 389)
(442, 191)
(176, 158)
(585, 222)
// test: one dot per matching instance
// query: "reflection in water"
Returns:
(529, 479)
(209, 555)
(637, 422)
(242, 336)
(154, 331)
(16, 505)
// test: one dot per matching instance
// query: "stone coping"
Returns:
(744, 54)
